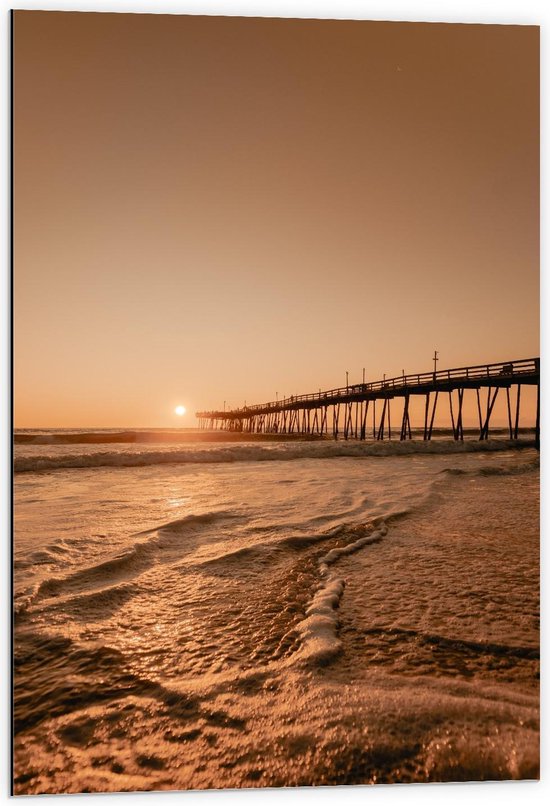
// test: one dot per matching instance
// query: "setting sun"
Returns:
(180, 410)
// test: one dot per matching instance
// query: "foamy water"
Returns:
(194, 615)
(57, 451)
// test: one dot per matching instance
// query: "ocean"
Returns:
(201, 611)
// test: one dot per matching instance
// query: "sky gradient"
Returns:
(212, 209)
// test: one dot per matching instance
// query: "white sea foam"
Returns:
(318, 631)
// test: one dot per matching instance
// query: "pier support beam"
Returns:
(380, 434)
(516, 424)
(509, 410)
(490, 404)
(405, 422)
(364, 421)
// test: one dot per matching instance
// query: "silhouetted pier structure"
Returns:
(353, 408)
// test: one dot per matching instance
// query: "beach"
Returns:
(197, 615)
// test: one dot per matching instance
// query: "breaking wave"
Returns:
(256, 453)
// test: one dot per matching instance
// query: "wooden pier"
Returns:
(351, 411)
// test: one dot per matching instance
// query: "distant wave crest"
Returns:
(494, 470)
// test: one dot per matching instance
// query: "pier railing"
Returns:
(499, 372)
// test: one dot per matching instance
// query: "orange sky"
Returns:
(212, 209)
